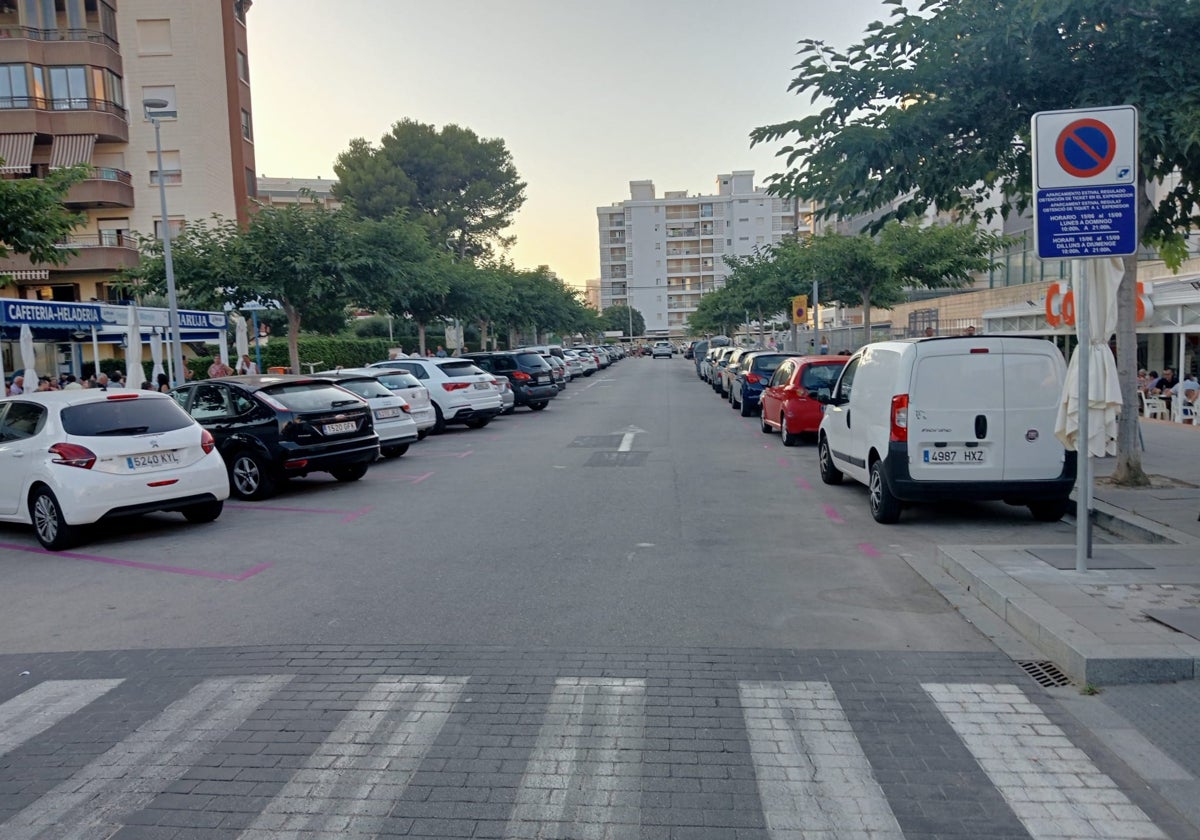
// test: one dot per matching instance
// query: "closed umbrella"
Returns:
(156, 356)
(3, 380)
(135, 375)
(241, 340)
(28, 358)
(1104, 388)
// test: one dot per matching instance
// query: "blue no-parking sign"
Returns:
(1085, 182)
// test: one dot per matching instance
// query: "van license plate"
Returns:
(955, 456)
(152, 459)
(340, 428)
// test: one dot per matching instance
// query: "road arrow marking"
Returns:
(627, 435)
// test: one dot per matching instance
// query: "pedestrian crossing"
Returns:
(597, 764)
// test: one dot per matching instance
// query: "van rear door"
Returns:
(956, 419)
(1033, 381)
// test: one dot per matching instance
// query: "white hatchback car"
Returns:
(392, 414)
(461, 391)
(72, 458)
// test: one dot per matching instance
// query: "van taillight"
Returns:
(206, 441)
(899, 418)
(73, 455)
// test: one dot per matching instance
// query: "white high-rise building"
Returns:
(660, 255)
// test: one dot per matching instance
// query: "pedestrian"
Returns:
(164, 384)
(970, 330)
(72, 383)
(18, 386)
(217, 369)
(441, 352)
(930, 332)
(245, 366)
(102, 381)
(824, 346)
(43, 383)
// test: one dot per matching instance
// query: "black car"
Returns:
(269, 428)
(531, 376)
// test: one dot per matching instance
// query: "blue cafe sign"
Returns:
(105, 318)
(47, 314)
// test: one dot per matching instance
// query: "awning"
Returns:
(71, 149)
(16, 150)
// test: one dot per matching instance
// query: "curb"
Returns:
(1130, 526)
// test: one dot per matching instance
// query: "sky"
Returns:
(586, 95)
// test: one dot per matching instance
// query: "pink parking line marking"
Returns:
(350, 517)
(869, 550)
(443, 454)
(802, 483)
(833, 515)
(289, 509)
(406, 479)
(781, 461)
(151, 567)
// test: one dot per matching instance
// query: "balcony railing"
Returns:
(30, 34)
(108, 173)
(42, 103)
(103, 239)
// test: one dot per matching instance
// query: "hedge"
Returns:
(326, 353)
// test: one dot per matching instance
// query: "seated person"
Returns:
(1143, 380)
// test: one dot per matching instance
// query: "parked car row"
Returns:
(965, 417)
(69, 459)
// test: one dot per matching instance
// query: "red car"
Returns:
(789, 402)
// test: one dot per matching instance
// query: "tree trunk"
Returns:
(483, 335)
(866, 308)
(1128, 470)
(421, 338)
(761, 332)
(293, 317)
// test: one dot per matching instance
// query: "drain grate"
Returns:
(1045, 674)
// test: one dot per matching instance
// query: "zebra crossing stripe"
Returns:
(32, 712)
(583, 779)
(1051, 785)
(92, 803)
(350, 782)
(814, 781)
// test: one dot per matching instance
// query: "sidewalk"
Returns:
(1095, 625)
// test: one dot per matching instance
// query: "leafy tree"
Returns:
(463, 190)
(617, 318)
(716, 313)
(759, 284)
(33, 219)
(932, 110)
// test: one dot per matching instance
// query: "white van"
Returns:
(968, 417)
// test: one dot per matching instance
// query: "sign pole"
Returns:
(1083, 478)
(816, 311)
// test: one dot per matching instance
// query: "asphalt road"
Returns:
(534, 531)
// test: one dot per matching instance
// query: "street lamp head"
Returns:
(155, 104)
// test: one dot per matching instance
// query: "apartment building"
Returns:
(73, 78)
(280, 192)
(661, 255)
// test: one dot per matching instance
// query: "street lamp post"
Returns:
(176, 340)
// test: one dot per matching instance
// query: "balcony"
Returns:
(40, 115)
(681, 233)
(111, 250)
(27, 33)
(107, 187)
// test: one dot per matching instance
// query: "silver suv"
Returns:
(663, 348)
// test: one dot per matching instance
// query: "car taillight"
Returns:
(455, 386)
(206, 441)
(73, 455)
(753, 378)
(121, 397)
(406, 408)
(521, 376)
(899, 418)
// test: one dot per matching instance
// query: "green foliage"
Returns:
(463, 190)
(33, 219)
(328, 352)
(617, 318)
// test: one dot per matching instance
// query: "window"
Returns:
(172, 169)
(247, 131)
(14, 87)
(239, 11)
(154, 37)
(845, 385)
(781, 375)
(210, 402)
(243, 67)
(68, 88)
(23, 420)
(176, 228)
(166, 92)
(114, 233)
(251, 183)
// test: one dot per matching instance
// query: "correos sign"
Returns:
(1060, 304)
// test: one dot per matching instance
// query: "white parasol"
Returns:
(156, 356)
(135, 374)
(3, 381)
(28, 358)
(241, 338)
(1104, 388)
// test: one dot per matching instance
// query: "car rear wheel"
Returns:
(763, 425)
(394, 451)
(1049, 510)
(747, 410)
(788, 438)
(829, 473)
(51, 527)
(439, 423)
(249, 477)
(885, 508)
(351, 473)
(539, 405)
(201, 513)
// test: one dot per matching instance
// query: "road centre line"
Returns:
(151, 567)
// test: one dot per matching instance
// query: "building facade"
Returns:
(73, 77)
(280, 192)
(661, 255)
